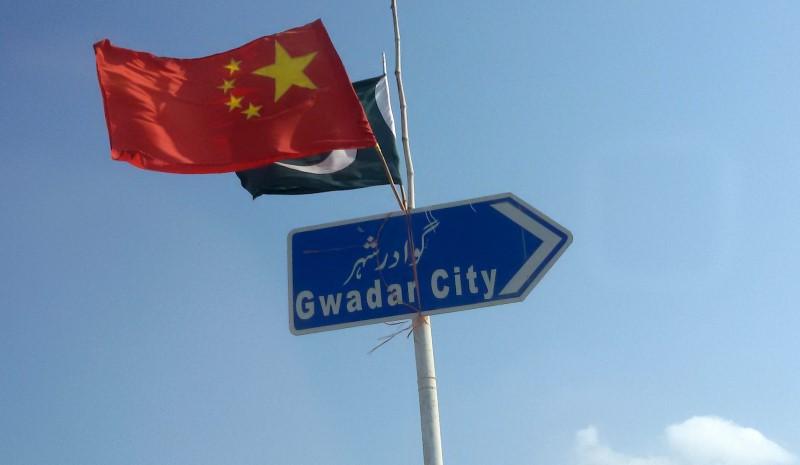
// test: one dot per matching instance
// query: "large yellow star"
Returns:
(287, 71)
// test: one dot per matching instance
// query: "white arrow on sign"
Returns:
(548, 238)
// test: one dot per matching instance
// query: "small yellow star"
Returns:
(233, 66)
(227, 85)
(252, 111)
(234, 102)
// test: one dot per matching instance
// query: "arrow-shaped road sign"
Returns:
(473, 253)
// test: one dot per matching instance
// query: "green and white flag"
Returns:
(340, 169)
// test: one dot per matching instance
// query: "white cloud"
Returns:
(715, 441)
(591, 452)
(696, 441)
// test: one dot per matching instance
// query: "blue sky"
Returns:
(143, 315)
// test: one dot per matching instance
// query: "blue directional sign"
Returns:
(473, 253)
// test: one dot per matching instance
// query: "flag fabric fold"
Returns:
(278, 97)
(338, 169)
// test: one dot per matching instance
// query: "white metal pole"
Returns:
(428, 399)
(423, 340)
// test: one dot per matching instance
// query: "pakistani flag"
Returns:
(340, 169)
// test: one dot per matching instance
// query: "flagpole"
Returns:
(423, 340)
(403, 114)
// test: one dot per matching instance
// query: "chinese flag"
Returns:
(278, 97)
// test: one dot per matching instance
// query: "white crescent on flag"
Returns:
(335, 161)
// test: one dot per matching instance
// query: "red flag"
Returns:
(277, 97)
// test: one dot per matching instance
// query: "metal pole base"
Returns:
(428, 398)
